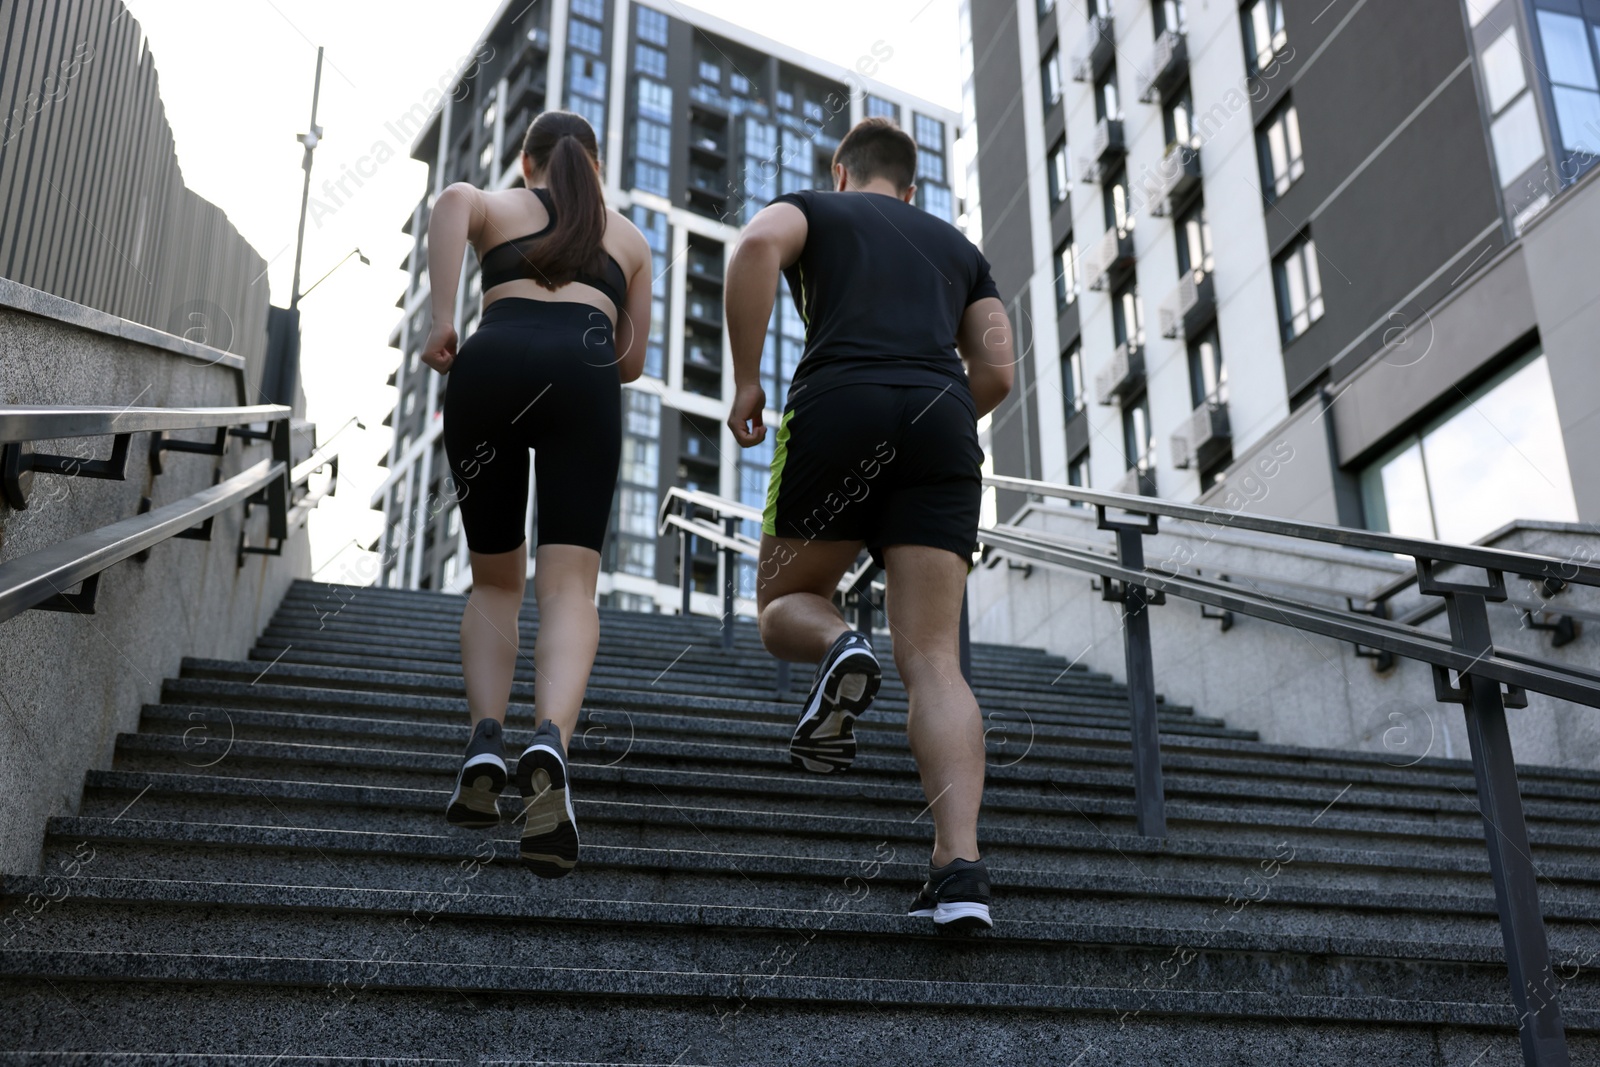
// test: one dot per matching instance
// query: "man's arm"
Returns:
(984, 341)
(772, 241)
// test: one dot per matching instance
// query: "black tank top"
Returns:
(509, 262)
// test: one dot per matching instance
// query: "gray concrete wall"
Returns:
(69, 682)
(1292, 687)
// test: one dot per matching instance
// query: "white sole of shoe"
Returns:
(475, 803)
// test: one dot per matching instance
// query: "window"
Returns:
(652, 142)
(411, 401)
(488, 115)
(1513, 118)
(1127, 315)
(739, 83)
(1078, 471)
(590, 9)
(1299, 288)
(929, 133)
(879, 108)
(1264, 35)
(1059, 177)
(584, 37)
(1050, 78)
(1169, 15)
(1279, 146)
(450, 569)
(1177, 118)
(1114, 200)
(930, 165)
(1193, 238)
(1138, 440)
(1495, 456)
(1072, 390)
(655, 100)
(1107, 104)
(936, 201)
(654, 227)
(1569, 59)
(648, 60)
(1066, 274)
(710, 72)
(486, 157)
(785, 100)
(1045, 7)
(652, 26)
(1208, 378)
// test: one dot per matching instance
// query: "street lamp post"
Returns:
(309, 139)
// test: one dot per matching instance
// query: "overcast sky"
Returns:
(236, 81)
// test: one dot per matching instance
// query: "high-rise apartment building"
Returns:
(700, 123)
(1357, 236)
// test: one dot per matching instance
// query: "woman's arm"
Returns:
(457, 216)
(633, 324)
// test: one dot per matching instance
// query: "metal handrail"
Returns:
(46, 422)
(40, 579)
(1468, 651)
(1525, 564)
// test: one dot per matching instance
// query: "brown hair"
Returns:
(562, 145)
(877, 148)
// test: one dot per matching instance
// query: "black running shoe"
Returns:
(549, 830)
(475, 802)
(956, 896)
(847, 679)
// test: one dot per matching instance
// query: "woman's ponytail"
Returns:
(562, 145)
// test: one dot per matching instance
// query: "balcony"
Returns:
(704, 266)
(1108, 258)
(1097, 51)
(1124, 377)
(1190, 306)
(1177, 176)
(1139, 481)
(704, 142)
(1205, 437)
(1169, 62)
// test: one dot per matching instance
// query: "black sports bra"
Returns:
(509, 262)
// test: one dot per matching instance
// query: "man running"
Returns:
(877, 448)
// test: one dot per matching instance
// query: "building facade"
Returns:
(700, 123)
(1348, 234)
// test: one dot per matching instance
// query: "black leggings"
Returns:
(542, 375)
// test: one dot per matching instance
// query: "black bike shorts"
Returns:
(882, 464)
(542, 375)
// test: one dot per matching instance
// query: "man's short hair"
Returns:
(877, 148)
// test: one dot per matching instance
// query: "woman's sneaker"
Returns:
(475, 802)
(847, 679)
(549, 829)
(956, 896)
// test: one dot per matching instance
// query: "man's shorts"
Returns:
(883, 464)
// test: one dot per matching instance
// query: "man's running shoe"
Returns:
(847, 679)
(956, 896)
(549, 829)
(475, 802)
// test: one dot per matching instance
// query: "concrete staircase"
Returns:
(266, 872)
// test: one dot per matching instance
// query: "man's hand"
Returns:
(745, 418)
(440, 351)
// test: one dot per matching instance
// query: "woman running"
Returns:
(566, 317)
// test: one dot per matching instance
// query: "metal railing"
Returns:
(716, 519)
(1467, 652)
(43, 579)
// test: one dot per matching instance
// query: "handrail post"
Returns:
(1516, 892)
(730, 526)
(1149, 795)
(685, 571)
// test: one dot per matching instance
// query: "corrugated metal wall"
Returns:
(92, 204)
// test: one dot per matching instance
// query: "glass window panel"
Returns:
(1501, 457)
(584, 36)
(652, 26)
(1578, 115)
(1398, 501)
(649, 60)
(1502, 70)
(930, 133)
(590, 9)
(1566, 50)
(1518, 141)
